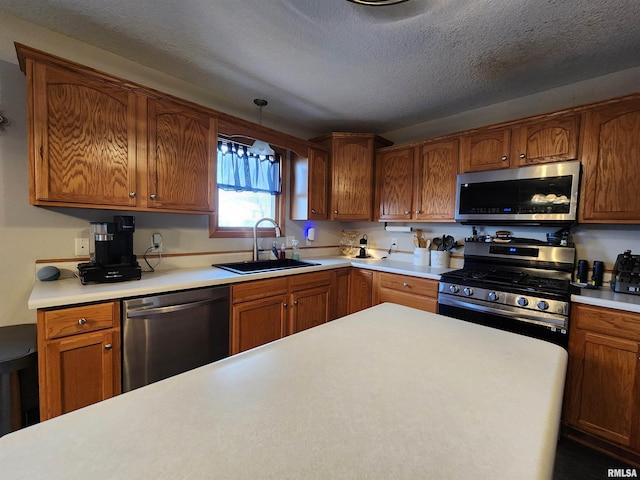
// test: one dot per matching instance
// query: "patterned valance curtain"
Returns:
(241, 171)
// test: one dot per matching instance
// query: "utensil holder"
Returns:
(421, 256)
(440, 258)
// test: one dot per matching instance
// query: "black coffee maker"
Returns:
(111, 252)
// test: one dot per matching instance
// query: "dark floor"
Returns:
(577, 462)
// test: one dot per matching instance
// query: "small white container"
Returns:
(440, 258)
(421, 256)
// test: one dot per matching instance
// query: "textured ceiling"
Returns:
(333, 65)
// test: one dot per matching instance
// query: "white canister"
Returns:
(440, 258)
(421, 256)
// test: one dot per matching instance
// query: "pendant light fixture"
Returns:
(259, 147)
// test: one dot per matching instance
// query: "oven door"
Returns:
(552, 329)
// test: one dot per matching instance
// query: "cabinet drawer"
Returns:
(245, 291)
(409, 284)
(608, 321)
(86, 318)
(309, 280)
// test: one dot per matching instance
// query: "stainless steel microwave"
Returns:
(535, 195)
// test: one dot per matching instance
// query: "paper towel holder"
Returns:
(397, 228)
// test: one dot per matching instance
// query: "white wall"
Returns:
(29, 233)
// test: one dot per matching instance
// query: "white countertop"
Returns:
(389, 392)
(70, 291)
(605, 297)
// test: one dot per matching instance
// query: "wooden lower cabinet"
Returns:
(266, 310)
(360, 289)
(78, 356)
(421, 293)
(602, 397)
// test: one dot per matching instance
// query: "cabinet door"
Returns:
(604, 386)
(340, 292)
(487, 150)
(394, 184)
(360, 290)
(550, 141)
(83, 144)
(310, 186)
(610, 145)
(182, 144)
(435, 187)
(257, 322)
(81, 370)
(309, 308)
(421, 293)
(352, 178)
(318, 184)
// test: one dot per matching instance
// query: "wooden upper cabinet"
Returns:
(352, 173)
(182, 145)
(436, 169)
(82, 139)
(610, 146)
(395, 184)
(309, 186)
(485, 150)
(545, 141)
(352, 179)
(551, 140)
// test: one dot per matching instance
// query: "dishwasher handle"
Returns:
(169, 309)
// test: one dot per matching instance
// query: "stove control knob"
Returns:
(493, 296)
(522, 301)
(468, 291)
(542, 305)
(454, 288)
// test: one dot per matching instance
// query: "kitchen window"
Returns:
(248, 188)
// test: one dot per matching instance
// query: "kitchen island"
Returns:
(388, 392)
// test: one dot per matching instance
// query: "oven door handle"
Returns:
(546, 320)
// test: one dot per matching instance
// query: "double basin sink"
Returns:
(258, 266)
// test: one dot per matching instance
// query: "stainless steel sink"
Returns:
(263, 265)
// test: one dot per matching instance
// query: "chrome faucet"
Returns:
(255, 234)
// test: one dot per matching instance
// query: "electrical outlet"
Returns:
(82, 247)
(156, 241)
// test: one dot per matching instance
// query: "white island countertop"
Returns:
(386, 393)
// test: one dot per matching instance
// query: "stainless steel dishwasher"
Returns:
(168, 334)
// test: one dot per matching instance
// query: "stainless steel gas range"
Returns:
(520, 285)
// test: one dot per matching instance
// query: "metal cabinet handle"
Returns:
(132, 194)
(82, 321)
(522, 155)
(335, 211)
(405, 284)
(406, 212)
(417, 212)
(153, 196)
(285, 305)
(295, 302)
(108, 346)
(313, 210)
(504, 158)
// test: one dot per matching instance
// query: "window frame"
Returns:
(216, 231)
